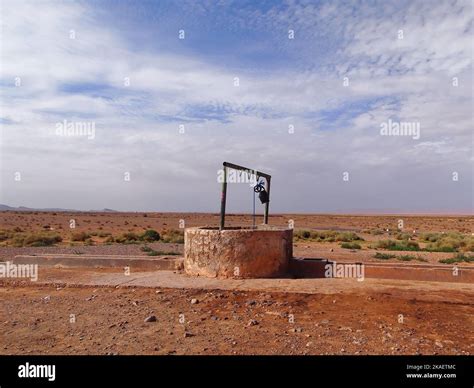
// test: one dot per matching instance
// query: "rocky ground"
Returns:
(54, 319)
(43, 319)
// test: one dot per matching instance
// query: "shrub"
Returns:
(80, 236)
(4, 235)
(384, 256)
(376, 232)
(459, 258)
(392, 245)
(173, 236)
(448, 242)
(127, 238)
(326, 236)
(348, 245)
(150, 235)
(152, 252)
(348, 236)
(37, 240)
(403, 236)
(430, 237)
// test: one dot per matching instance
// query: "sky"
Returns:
(134, 105)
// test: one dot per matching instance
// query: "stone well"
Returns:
(261, 252)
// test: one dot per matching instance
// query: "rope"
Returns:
(253, 194)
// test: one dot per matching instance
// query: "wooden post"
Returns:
(224, 189)
(223, 199)
(267, 205)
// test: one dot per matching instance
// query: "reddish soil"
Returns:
(36, 320)
(117, 223)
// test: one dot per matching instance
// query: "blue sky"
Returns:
(168, 111)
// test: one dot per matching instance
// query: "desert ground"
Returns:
(65, 313)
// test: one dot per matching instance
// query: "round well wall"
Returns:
(261, 252)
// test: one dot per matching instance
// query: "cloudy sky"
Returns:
(298, 89)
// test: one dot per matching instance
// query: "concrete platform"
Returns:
(304, 268)
(315, 268)
(144, 263)
(175, 279)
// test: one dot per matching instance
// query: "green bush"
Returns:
(448, 242)
(348, 245)
(459, 258)
(37, 240)
(384, 256)
(391, 245)
(150, 235)
(326, 236)
(403, 236)
(173, 236)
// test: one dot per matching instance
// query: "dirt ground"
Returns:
(86, 320)
(137, 222)
(118, 223)
(54, 319)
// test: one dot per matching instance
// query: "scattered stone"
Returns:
(252, 322)
(439, 344)
(150, 318)
(187, 334)
(194, 301)
(251, 303)
(345, 328)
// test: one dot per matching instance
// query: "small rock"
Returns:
(151, 318)
(252, 322)
(251, 303)
(187, 334)
(194, 301)
(439, 344)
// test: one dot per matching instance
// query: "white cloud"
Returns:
(137, 126)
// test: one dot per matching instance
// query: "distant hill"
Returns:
(53, 209)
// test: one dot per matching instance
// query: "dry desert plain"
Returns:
(60, 315)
